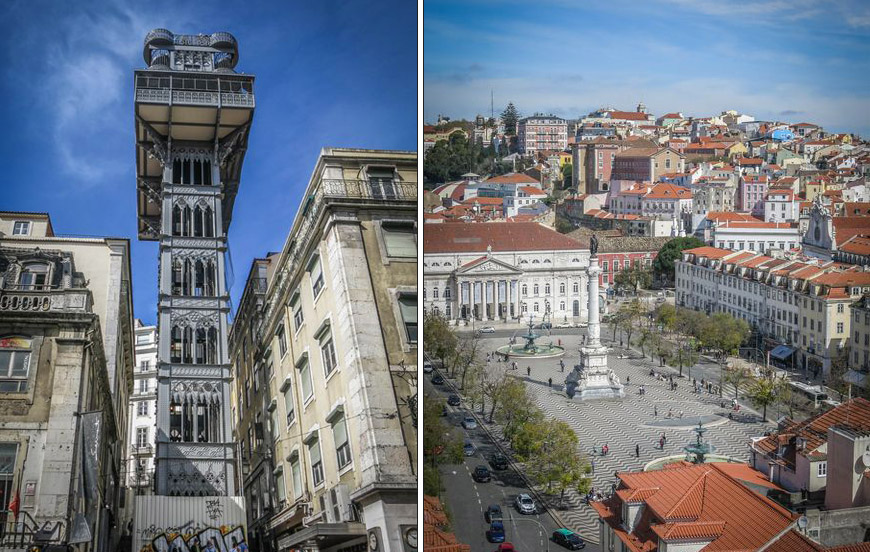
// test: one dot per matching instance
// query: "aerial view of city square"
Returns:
(646, 276)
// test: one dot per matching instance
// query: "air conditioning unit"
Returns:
(341, 508)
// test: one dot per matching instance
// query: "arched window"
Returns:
(525, 289)
(177, 227)
(535, 306)
(187, 279)
(176, 171)
(447, 293)
(187, 346)
(447, 310)
(535, 289)
(199, 279)
(200, 346)
(208, 222)
(210, 284)
(562, 288)
(435, 310)
(198, 222)
(576, 287)
(547, 289)
(186, 222)
(177, 276)
(524, 307)
(212, 350)
(435, 293)
(175, 347)
(562, 305)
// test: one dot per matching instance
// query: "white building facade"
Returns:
(143, 412)
(504, 272)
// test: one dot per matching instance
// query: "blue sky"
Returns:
(329, 73)
(775, 59)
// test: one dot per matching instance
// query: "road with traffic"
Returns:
(467, 500)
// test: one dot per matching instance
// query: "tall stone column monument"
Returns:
(591, 379)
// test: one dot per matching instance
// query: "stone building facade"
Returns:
(143, 413)
(66, 369)
(503, 272)
(336, 345)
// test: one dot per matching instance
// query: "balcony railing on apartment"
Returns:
(141, 449)
(328, 190)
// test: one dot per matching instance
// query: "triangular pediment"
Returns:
(487, 265)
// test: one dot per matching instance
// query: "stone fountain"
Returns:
(531, 349)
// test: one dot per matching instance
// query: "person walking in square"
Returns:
(528, 370)
(550, 382)
(637, 450)
(655, 411)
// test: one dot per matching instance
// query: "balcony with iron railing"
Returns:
(330, 191)
(138, 449)
(217, 90)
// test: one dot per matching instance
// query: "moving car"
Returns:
(495, 533)
(468, 448)
(469, 423)
(505, 547)
(568, 539)
(487, 329)
(498, 461)
(525, 504)
(492, 513)
(437, 379)
(481, 474)
(453, 399)
(427, 367)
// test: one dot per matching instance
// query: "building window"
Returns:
(525, 289)
(840, 308)
(382, 183)
(342, 446)
(14, 364)
(289, 405)
(296, 474)
(21, 228)
(535, 289)
(327, 354)
(298, 318)
(316, 461)
(546, 289)
(282, 341)
(279, 485)
(317, 281)
(576, 287)
(435, 293)
(400, 239)
(447, 293)
(839, 327)
(305, 377)
(141, 437)
(34, 277)
(408, 310)
(142, 408)
(823, 469)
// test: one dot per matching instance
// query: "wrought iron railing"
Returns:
(23, 531)
(141, 449)
(330, 190)
(194, 97)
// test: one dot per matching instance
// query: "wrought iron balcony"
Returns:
(45, 300)
(147, 448)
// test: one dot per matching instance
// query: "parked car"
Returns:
(568, 539)
(468, 448)
(481, 474)
(427, 367)
(437, 379)
(505, 547)
(453, 399)
(492, 513)
(564, 325)
(525, 504)
(469, 423)
(487, 329)
(544, 326)
(498, 461)
(495, 533)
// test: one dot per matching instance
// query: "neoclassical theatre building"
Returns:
(503, 272)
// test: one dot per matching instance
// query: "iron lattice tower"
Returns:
(192, 118)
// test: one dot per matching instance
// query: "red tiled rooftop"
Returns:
(748, 161)
(709, 252)
(628, 115)
(513, 178)
(532, 190)
(473, 238)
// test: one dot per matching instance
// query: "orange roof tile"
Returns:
(709, 252)
(792, 541)
(698, 530)
(472, 238)
(513, 178)
(628, 115)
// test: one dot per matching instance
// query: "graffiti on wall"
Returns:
(191, 538)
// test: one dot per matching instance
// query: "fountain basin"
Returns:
(536, 351)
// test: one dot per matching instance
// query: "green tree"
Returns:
(630, 315)
(563, 226)
(431, 480)
(764, 392)
(551, 450)
(632, 278)
(509, 118)
(515, 407)
(663, 265)
(438, 442)
(723, 334)
(737, 375)
(666, 315)
(439, 339)
(567, 176)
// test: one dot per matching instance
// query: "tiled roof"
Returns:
(709, 252)
(435, 537)
(721, 216)
(746, 474)
(668, 191)
(532, 190)
(792, 541)
(856, 245)
(859, 547)
(474, 238)
(748, 161)
(512, 178)
(696, 502)
(637, 152)
(483, 201)
(453, 190)
(628, 115)
(854, 414)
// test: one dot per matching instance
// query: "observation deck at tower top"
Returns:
(189, 95)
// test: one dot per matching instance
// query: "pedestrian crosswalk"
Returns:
(630, 425)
